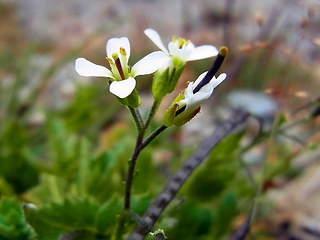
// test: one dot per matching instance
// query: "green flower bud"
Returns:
(170, 113)
(165, 80)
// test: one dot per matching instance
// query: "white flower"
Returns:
(191, 100)
(123, 77)
(184, 50)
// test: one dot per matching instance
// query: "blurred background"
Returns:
(47, 109)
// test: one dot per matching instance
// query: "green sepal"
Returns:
(183, 120)
(170, 113)
(165, 81)
(179, 66)
(133, 100)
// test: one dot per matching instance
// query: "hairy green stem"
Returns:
(130, 175)
(153, 110)
(137, 119)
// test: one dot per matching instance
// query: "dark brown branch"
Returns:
(244, 229)
(177, 180)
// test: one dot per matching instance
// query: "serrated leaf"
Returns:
(107, 215)
(13, 158)
(57, 219)
(140, 203)
(12, 222)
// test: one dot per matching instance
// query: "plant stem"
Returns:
(137, 119)
(140, 145)
(153, 136)
(153, 110)
(132, 164)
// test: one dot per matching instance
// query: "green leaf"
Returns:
(13, 158)
(193, 222)
(144, 173)
(225, 213)
(12, 223)
(56, 219)
(52, 188)
(212, 178)
(107, 215)
(140, 203)
(100, 178)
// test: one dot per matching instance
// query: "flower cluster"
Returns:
(167, 64)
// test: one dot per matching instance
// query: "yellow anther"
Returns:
(174, 39)
(123, 51)
(110, 60)
(181, 42)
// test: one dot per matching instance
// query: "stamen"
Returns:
(181, 42)
(119, 67)
(124, 61)
(111, 62)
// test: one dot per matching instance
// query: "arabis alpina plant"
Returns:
(178, 53)
(168, 65)
(122, 77)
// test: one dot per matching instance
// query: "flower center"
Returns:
(118, 65)
(180, 42)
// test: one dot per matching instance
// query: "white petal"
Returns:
(123, 88)
(217, 81)
(150, 63)
(89, 69)
(188, 93)
(156, 39)
(202, 52)
(114, 44)
(182, 53)
(190, 45)
(208, 88)
(199, 79)
(202, 95)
